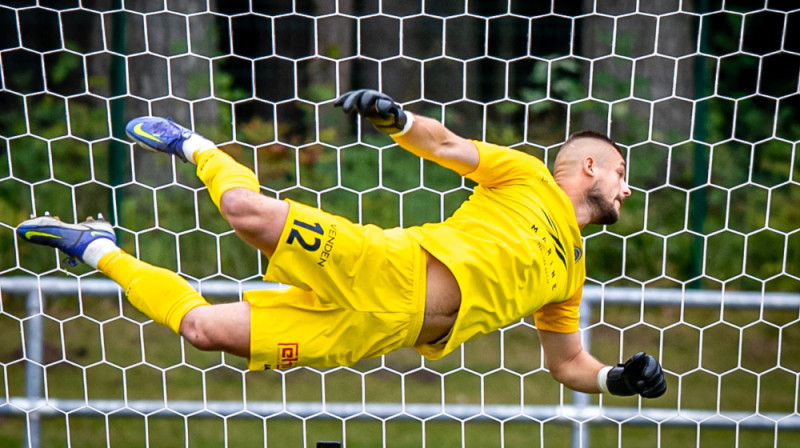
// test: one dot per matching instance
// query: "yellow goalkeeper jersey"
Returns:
(514, 248)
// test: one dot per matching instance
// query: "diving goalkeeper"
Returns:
(512, 250)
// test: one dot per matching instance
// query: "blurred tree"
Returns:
(640, 52)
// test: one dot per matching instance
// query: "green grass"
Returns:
(145, 362)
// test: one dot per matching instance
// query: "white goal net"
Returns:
(702, 271)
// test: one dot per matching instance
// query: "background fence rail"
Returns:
(581, 414)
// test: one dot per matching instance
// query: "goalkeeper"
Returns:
(513, 249)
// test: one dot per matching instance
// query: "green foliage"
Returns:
(68, 148)
(718, 212)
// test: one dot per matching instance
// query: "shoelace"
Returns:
(171, 132)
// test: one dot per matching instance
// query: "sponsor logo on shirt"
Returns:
(288, 354)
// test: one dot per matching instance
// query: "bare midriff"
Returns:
(442, 302)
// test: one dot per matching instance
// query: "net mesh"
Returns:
(701, 271)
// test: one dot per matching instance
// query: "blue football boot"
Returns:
(159, 135)
(71, 239)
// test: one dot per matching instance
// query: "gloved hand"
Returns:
(380, 109)
(641, 375)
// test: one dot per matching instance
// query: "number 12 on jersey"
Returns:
(307, 244)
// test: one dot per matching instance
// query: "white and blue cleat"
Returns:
(159, 135)
(72, 239)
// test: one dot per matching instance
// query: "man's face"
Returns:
(609, 189)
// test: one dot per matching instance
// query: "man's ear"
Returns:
(588, 166)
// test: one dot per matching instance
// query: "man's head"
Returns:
(590, 168)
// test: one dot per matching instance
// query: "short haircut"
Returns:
(593, 135)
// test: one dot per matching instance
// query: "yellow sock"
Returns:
(220, 172)
(160, 294)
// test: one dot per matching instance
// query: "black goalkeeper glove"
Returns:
(641, 375)
(378, 108)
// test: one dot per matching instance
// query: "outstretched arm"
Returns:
(577, 369)
(431, 140)
(422, 136)
(568, 362)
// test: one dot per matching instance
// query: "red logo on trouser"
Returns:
(287, 355)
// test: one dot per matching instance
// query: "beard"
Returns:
(603, 211)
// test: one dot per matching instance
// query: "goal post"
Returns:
(702, 271)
